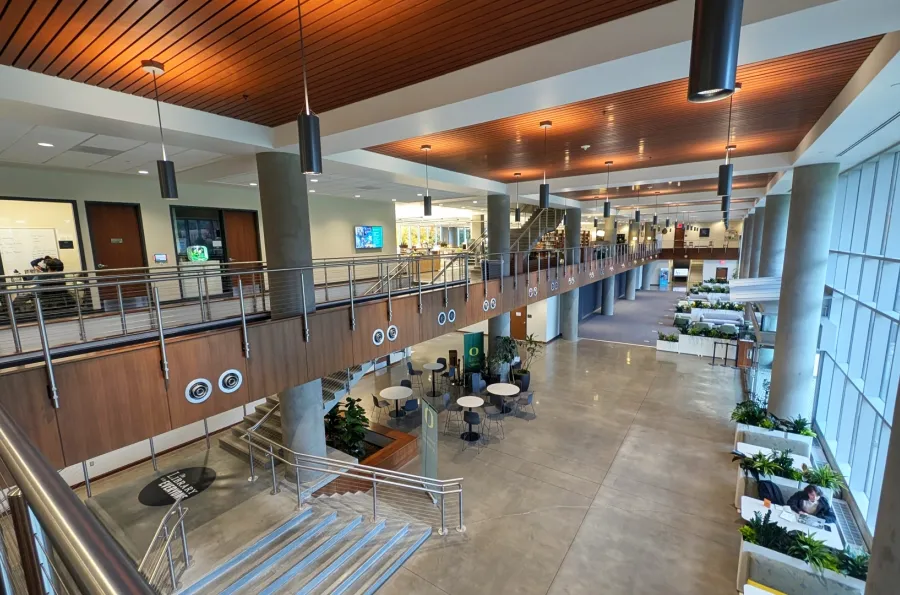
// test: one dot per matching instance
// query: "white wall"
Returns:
(710, 266)
(333, 219)
(543, 319)
(57, 215)
(716, 234)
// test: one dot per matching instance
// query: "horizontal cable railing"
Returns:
(52, 316)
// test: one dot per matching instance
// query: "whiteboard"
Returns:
(20, 245)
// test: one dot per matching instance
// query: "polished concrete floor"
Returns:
(637, 321)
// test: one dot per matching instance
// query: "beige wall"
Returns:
(56, 215)
(716, 234)
(333, 219)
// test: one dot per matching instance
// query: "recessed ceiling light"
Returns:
(475, 201)
(312, 190)
(253, 183)
(143, 171)
(356, 196)
(45, 144)
(419, 194)
(313, 180)
(440, 204)
(393, 200)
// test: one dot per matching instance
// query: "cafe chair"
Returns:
(493, 418)
(478, 385)
(382, 407)
(472, 417)
(442, 361)
(454, 413)
(448, 377)
(525, 401)
(415, 375)
(411, 405)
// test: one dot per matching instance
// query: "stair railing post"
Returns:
(122, 310)
(443, 530)
(169, 555)
(303, 296)
(419, 279)
(245, 338)
(81, 331)
(389, 302)
(374, 496)
(17, 341)
(272, 465)
(184, 545)
(352, 305)
(462, 526)
(252, 470)
(297, 481)
(45, 345)
(163, 359)
(467, 277)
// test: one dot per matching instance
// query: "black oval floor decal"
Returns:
(184, 483)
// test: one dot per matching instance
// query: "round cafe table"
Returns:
(504, 391)
(395, 394)
(470, 402)
(434, 368)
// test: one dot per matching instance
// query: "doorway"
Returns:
(679, 236)
(722, 274)
(518, 323)
(117, 242)
(242, 245)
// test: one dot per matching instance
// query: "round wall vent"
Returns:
(230, 381)
(198, 390)
(451, 316)
(378, 336)
(392, 332)
(442, 318)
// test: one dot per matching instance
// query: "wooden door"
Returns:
(679, 236)
(117, 243)
(518, 326)
(241, 243)
(721, 273)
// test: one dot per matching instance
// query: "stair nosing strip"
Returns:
(398, 563)
(371, 561)
(323, 574)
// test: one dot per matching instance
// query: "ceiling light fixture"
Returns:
(143, 172)
(726, 170)
(637, 210)
(544, 197)
(668, 220)
(313, 179)
(393, 200)
(607, 208)
(656, 210)
(312, 190)
(714, 49)
(45, 144)
(518, 210)
(356, 196)
(168, 188)
(308, 122)
(427, 198)
(254, 184)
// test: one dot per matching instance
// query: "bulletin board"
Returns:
(20, 245)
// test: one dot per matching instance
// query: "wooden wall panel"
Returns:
(370, 317)
(205, 356)
(23, 394)
(277, 357)
(330, 346)
(432, 306)
(110, 401)
(408, 321)
(474, 311)
(456, 300)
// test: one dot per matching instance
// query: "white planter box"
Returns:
(703, 346)
(774, 439)
(746, 486)
(730, 316)
(790, 575)
(671, 346)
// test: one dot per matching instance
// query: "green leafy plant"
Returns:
(768, 424)
(853, 563)
(532, 348)
(748, 533)
(760, 464)
(785, 463)
(812, 551)
(345, 428)
(799, 425)
(673, 338)
(824, 476)
(767, 533)
(749, 412)
(679, 309)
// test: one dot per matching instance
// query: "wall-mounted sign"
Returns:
(442, 318)
(493, 303)
(486, 305)
(183, 483)
(197, 253)
(66, 245)
(160, 258)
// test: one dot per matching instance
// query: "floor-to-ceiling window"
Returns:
(860, 365)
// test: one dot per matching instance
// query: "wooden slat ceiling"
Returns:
(667, 189)
(240, 58)
(781, 100)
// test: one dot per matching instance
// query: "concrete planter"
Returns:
(790, 575)
(774, 439)
(747, 486)
(671, 346)
(703, 346)
(727, 316)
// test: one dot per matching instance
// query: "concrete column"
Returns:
(746, 246)
(759, 223)
(569, 301)
(630, 284)
(802, 288)
(639, 279)
(284, 203)
(646, 276)
(498, 244)
(884, 567)
(609, 296)
(774, 236)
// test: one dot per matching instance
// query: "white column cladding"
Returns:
(609, 296)
(498, 246)
(747, 246)
(647, 276)
(802, 289)
(774, 235)
(569, 301)
(630, 284)
(759, 223)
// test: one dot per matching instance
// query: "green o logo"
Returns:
(474, 351)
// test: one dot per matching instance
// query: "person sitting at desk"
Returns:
(811, 500)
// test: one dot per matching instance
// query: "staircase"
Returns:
(332, 546)
(532, 230)
(334, 388)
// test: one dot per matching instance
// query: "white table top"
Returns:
(470, 401)
(395, 393)
(749, 506)
(751, 449)
(502, 389)
(433, 366)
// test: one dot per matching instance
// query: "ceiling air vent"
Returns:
(96, 151)
(867, 135)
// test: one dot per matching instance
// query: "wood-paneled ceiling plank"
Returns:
(782, 99)
(666, 189)
(219, 51)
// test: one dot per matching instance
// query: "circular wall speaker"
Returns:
(493, 303)
(378, 336)
(486, 306)
(665, 230)
(392, 332)
(230, 381)
(198, 390)
(451, 316)
(442, 318)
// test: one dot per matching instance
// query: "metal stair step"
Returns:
(235, 445)
(346, 553)
(366, 559)
(378, 574)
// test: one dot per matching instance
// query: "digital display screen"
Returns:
(680, 272)
(369, 236)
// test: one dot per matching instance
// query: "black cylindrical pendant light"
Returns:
(607, 208)
(726, 170)
(596, 222)
(544, 199)
(668, 222)
(637, 215)
(655, 219)
(726, 204)
(427, 206)
(309, 139)
(427, 200)
(168, 188)
(518, 210)
(714, 49)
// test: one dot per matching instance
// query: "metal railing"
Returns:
(160, 549)
(51, 542)
(414, 495)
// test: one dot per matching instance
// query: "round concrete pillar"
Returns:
(774, 235)
(759, 223)
(630, 284)
(746, 246)
(609, 296)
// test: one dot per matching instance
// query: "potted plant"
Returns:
(345, 428)
(755, 425)
(532, 349)
(504, 352)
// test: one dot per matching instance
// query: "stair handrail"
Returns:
(393, 273)
(165, 550)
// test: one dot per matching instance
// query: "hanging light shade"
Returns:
(637, 215)
(168, 188)
(726, 204)
(307, 122)
(518, 210)
(726, 170)
(607, 208)
(655, 219)
(668, 222)
(544, 197)
(427, 199)
(596, 222)
(714, 49)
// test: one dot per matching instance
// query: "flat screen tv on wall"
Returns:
(369, 237)
(704, 232)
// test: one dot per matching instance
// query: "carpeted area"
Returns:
(635, 322)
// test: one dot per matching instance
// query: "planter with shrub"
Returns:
(532, 349)
(797, 563)
(777, 467)
(756, 426)
(702, 342)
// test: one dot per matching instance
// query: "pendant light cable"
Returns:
(303, 56)
(728, 132)
(545, 153)
(162, 142)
